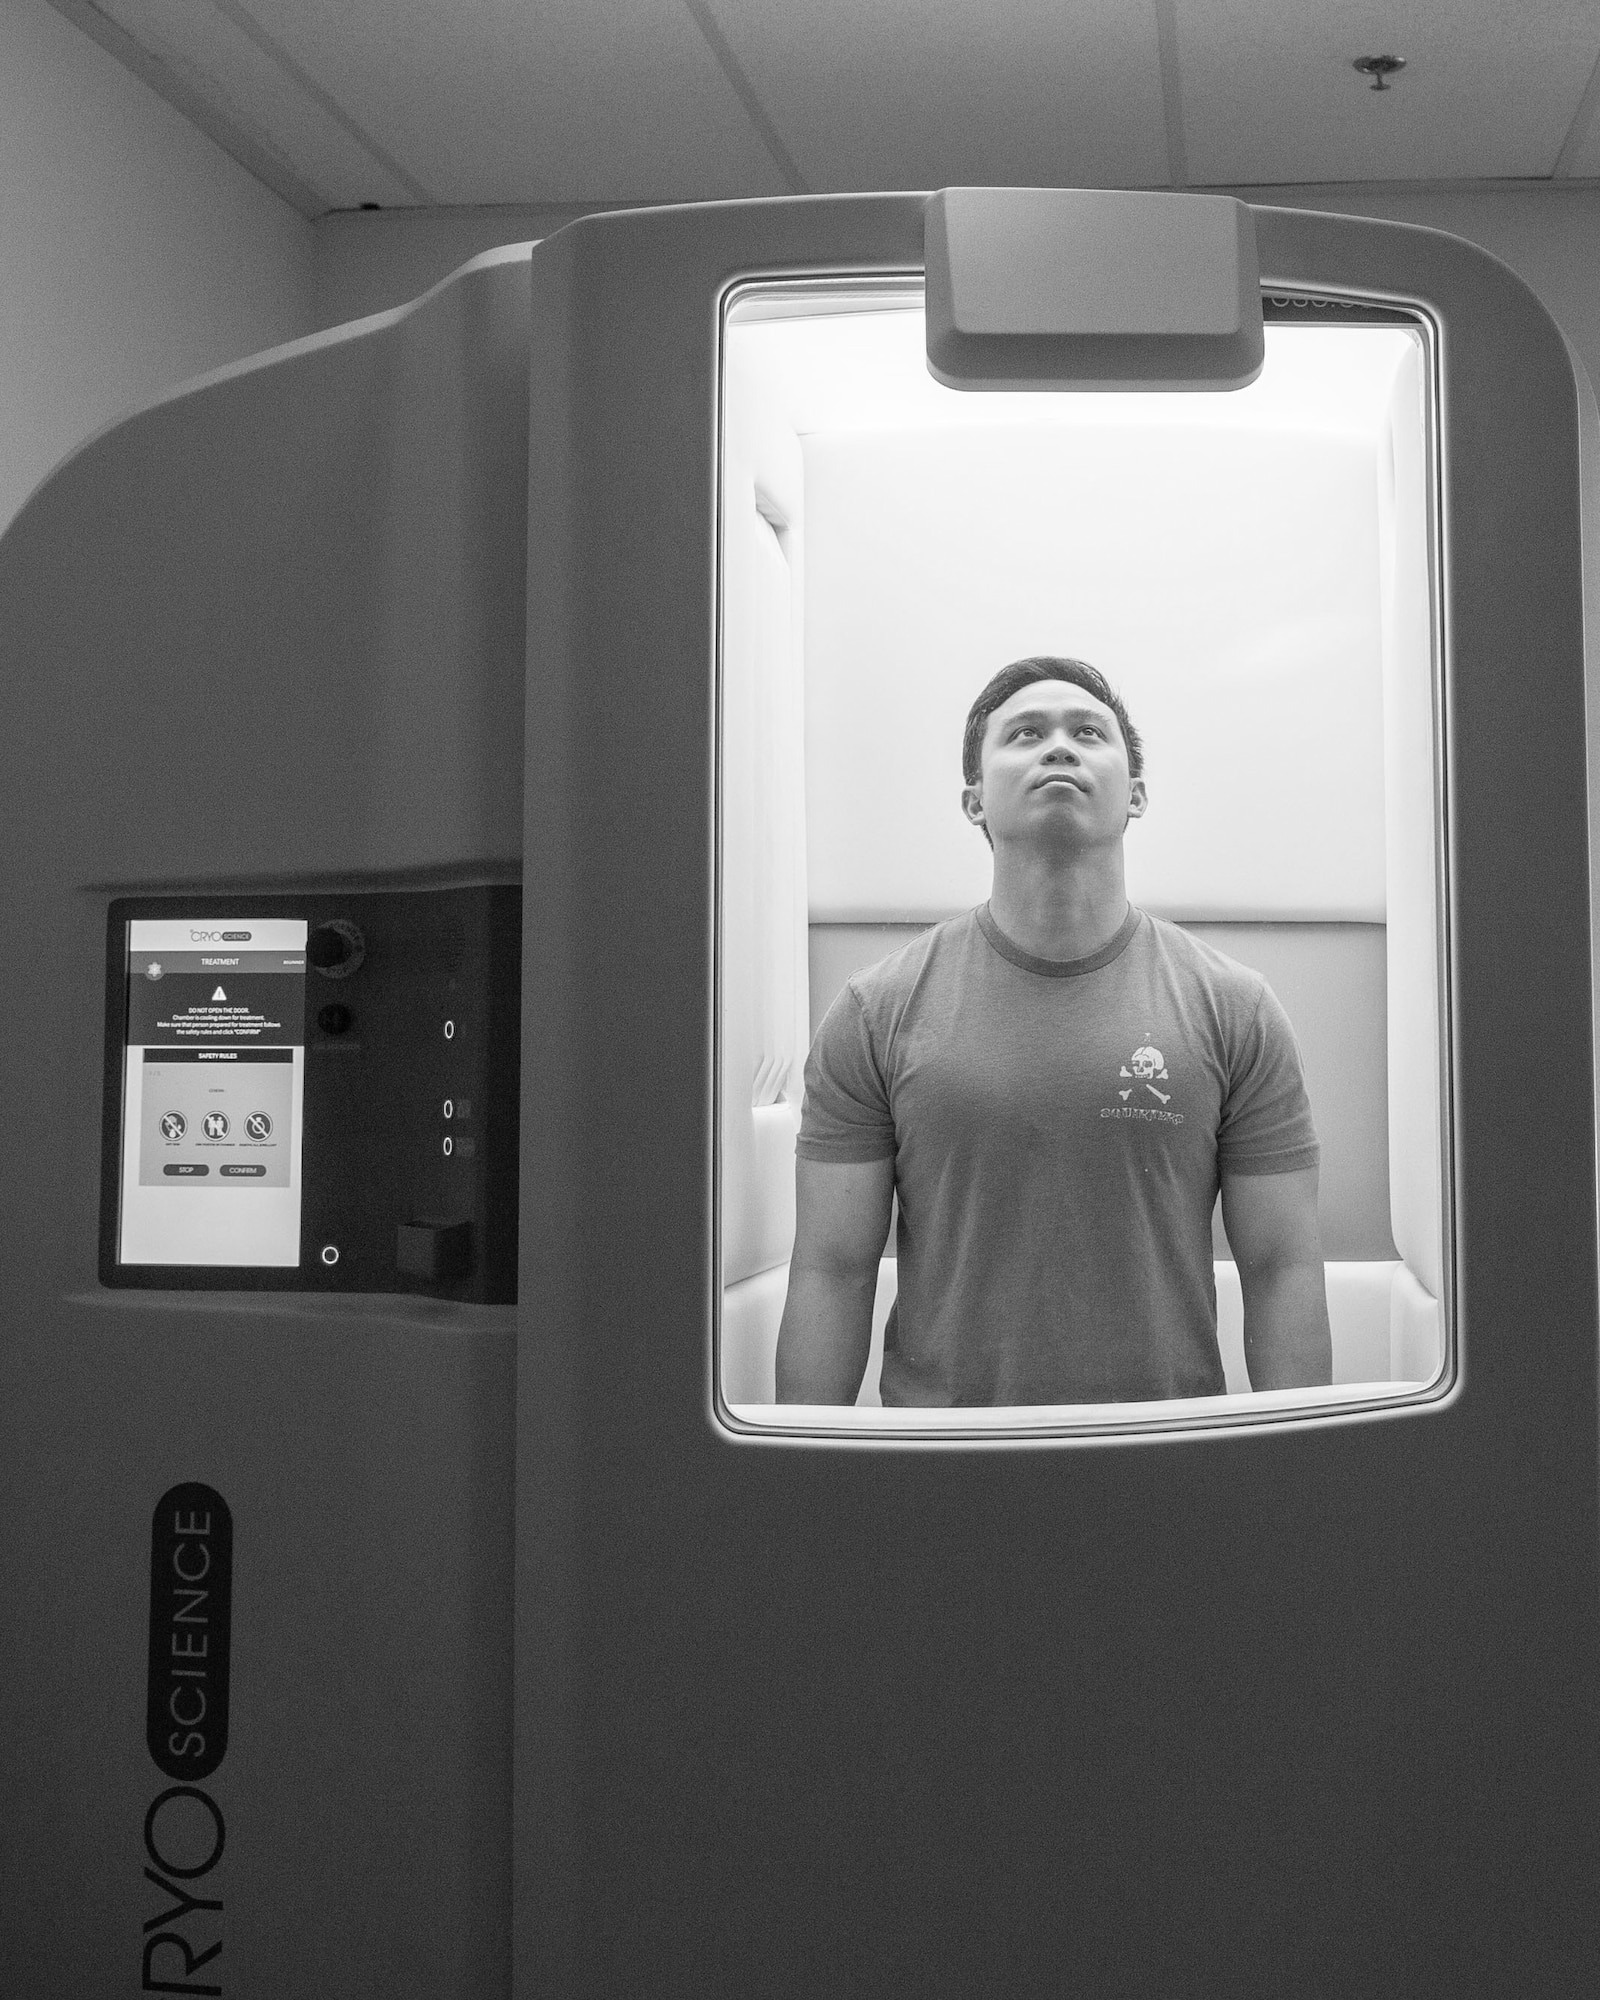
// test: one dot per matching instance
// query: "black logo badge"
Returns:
(191, 1597)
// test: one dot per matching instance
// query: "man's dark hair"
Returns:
(1041, 667)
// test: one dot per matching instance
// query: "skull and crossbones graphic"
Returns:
(1149, 1066)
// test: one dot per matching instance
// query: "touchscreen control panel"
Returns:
(213, 1092)
(314, 1093)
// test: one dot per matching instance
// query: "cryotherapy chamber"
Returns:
(559, 1656)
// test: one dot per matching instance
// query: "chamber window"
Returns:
(1147, 937)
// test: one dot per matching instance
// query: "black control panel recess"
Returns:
(314, 1093)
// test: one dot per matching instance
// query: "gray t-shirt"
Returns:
(1058, 1130)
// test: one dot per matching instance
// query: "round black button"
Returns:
(336, 948)
(326, 948)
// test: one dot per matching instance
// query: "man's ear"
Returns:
(972, 802)
(1137, 799)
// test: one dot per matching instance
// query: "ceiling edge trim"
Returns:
(307, 84)
(241, 146)
(1171, 91)
(1578, 130)
(744, 90)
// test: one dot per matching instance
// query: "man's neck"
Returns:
(1061, 909)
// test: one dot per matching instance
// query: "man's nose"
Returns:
(1061, 749)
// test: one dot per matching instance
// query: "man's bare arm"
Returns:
(841, 1221)
(1271, 1220)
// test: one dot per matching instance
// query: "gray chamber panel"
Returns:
(265, 635)
(1227, 1713)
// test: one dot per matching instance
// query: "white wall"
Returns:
(1224, 581)
(133, 252)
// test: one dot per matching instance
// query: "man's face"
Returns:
(1054, 770)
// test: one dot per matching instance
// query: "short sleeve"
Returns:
(1266, 1125)
(846, 1115)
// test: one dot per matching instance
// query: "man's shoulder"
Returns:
(932, 953)
(1221, 975)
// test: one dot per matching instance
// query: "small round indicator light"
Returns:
(449, 1031)
(330, 1253)
(449, 1147)
(449, 1107)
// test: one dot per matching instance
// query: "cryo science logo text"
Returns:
(219, 937)
(186, 1732)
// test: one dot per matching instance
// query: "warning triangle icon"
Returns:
(219, 994)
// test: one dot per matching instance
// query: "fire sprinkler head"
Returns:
(1379, 68)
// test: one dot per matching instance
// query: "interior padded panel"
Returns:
(871, 1397)
(1330, 979)
(1415, 1149)
(1225, 580)
(1416, 1330)
(1359, 1317)
(751, 1312)
(765, 981)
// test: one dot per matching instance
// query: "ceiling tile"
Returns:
(534, 100)
(941, 93)
(407, 102)
(259, 98)
(1489, 88)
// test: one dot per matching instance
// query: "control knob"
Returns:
(336, 948)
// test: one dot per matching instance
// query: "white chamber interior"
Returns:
(1251, 571)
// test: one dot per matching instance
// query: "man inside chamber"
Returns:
(1055, 1085)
